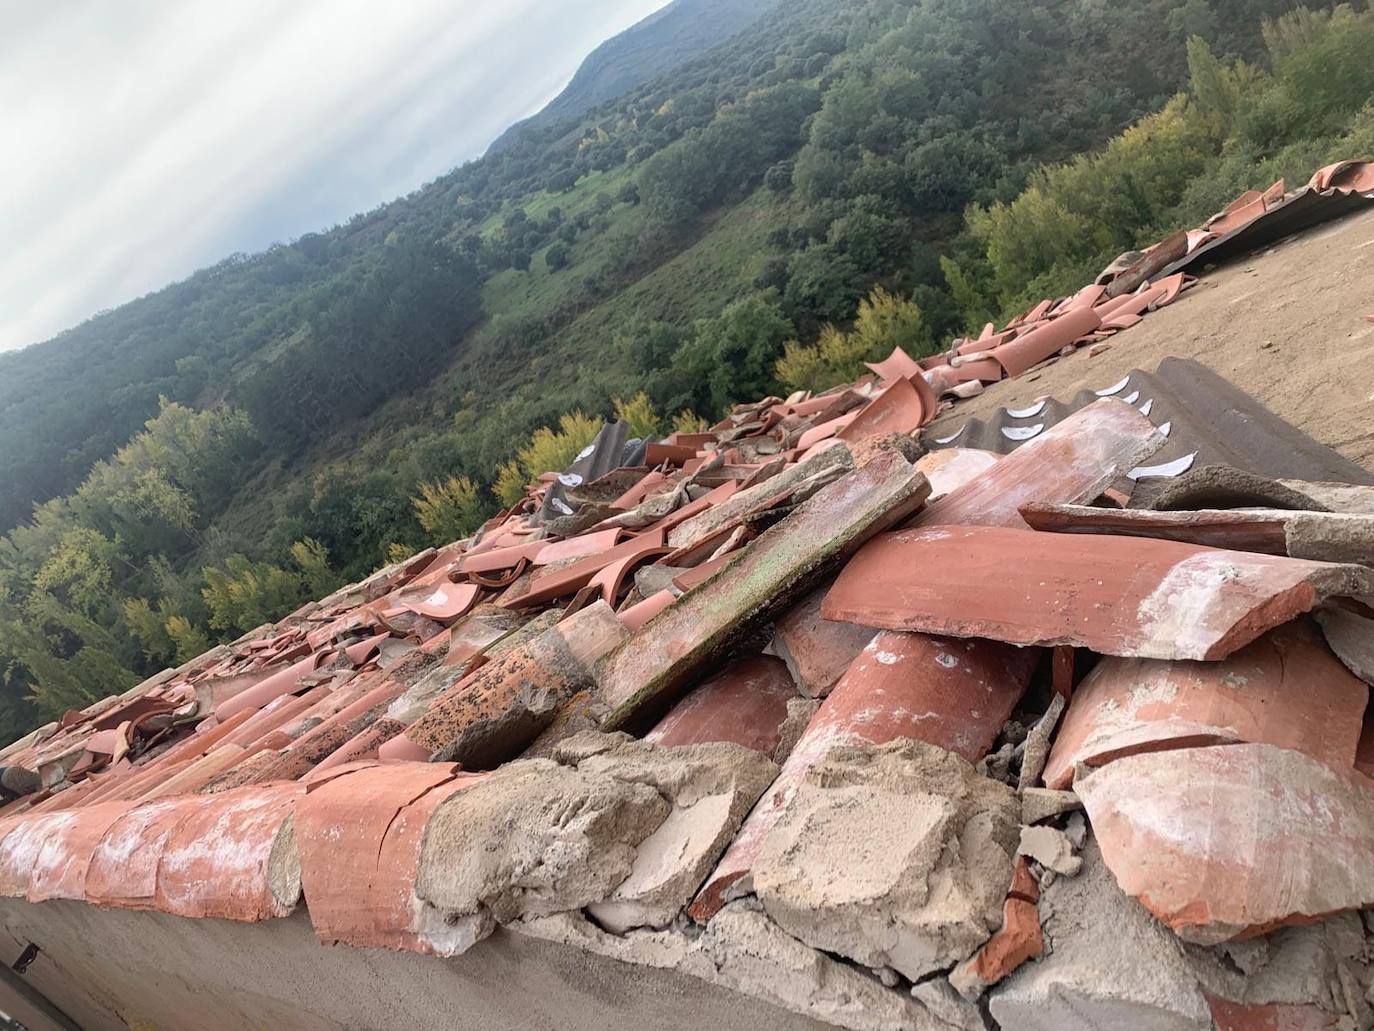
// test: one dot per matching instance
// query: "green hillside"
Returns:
(657, 44)
(210, 455)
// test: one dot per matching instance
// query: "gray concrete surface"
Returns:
(115, 969)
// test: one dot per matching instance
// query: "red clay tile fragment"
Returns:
(444, 603)
(229, 859)
(359, 840)
(952, 467)
(1072, 461)
(897, 365)
(283, 682)
(123, 868)
(1269, 1016)
(955, 694)
(898, 408)
(1234, 840)
(580, 546)
(1285, 689)
(1018, 939)
(493, 713)
(1034, 347)
(637, 615)
(817, 650)
(610, 580)
(746, 702)
(570, 579)
(782, 563)
(1325, 536)
(1127, 596)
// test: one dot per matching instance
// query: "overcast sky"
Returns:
(143, 139)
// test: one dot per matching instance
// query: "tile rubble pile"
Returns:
(889, 738)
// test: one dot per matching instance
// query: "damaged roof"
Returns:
(799, 676)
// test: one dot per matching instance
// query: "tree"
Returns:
(510, 483)
(823, 283)
(556, 257)
(731, 357)
(778, 178)
(638, 412)
(884, 322)
(449, 510)
(554, 450)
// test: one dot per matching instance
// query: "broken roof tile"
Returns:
(659, 658)
(817, 650)
(1230, 840)
(1072, 461)
(1284, 689)
(746, 702)
(1129, 596)
(885, 696)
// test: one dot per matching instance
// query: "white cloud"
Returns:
(146, 139)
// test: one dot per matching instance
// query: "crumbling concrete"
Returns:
(1108, 965)
(744, 950)
(711, 787)
(898, 856)
(1323, 966)
(1039, 804)
(625, 827)
(1051, 848)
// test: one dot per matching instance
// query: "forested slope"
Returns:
(363, 391)
(657, 44)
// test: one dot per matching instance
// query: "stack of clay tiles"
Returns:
(888, 737)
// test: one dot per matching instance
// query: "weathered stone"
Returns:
(782, 563)
(534, 838)
(711, 787)
(1108, 966)
(1044, 803)
(1051, 848)
(893, 856)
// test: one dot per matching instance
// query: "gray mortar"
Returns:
(896, 855)
(1108, 965)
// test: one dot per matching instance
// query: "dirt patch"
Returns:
(1286, 325)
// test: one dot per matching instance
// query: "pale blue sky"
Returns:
(143, 139)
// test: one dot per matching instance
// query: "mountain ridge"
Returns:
(654, 45)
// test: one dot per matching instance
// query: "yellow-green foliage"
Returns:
(510, 483)
(884, 322)
(312, 558)
(554, 450)
(149, 627)
(243, 594)
(687, 421)
(188, 639)
(78, 570)
(638, 411)
(1077, 212)
(448, 510)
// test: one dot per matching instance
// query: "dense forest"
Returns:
(839, 174)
